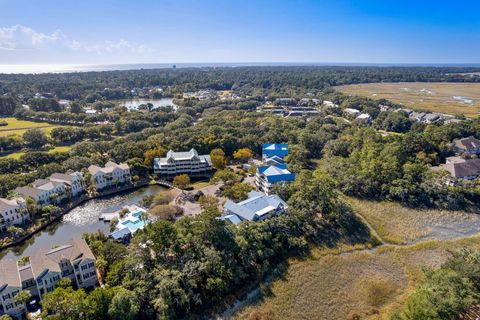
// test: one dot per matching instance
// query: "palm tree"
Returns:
(23, 297)
(23, 212)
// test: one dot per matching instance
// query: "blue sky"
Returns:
(175, 31)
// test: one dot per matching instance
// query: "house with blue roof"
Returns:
(267, 176)
(274, 149)
(257, 207)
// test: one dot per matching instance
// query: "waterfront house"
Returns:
(10, 286)
(257, 207)
(111, 175)
(40, 273)
(267, 176)
(189, 162)
(73, 181)
(274, 149)
(12, 212)
(469, 145)
(44, 192)
(460, 169)
(133, 220)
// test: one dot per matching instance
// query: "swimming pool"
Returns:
(133, 223)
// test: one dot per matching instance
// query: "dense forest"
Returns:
(252, 81)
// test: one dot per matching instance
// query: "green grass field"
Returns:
(452, 98)
(18, 127)
(60, 149)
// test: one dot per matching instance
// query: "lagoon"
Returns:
(82, 219)
(133, 104)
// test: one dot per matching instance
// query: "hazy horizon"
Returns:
(71, 68)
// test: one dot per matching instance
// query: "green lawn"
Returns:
(60, 149)
(15, 155)
(18, 127)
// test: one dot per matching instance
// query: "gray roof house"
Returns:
(469, 145)
(257, 207)
(40, 273)
(459, 168)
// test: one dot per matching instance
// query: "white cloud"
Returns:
(20, 37)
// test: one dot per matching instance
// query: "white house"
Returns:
(44, 192)
(73, 181)
(176, 163)
(12, 212)
(110, 175)
(365, 117)
(351, 111)
(40, 273)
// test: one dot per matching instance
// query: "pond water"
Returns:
(83, 219)
(135, 103)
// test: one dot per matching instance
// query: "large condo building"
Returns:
(274, 169)
(40, 273)
(188, 162)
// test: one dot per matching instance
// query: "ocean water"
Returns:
(65, 68)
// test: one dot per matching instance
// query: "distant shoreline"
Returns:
(68, 68)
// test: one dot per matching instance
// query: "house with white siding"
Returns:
(111, 175)
(189, 162)
(41, 272)
(12, 212)
(44, 192)
(73, 181)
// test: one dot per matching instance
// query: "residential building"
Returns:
(417, 116)
(257, 207)
(351, 111)
(431, 118)
(111, 175)
(460, 169)
(365, 117)
(274, 149)
(40, 273)
(273, 161)
(327, 103)
(44, 192)
(267, 176)
(10, 286)
(73, 181)
(189, 162)
(12, 212)
(469, 145)
(133, 220)
(285, 101)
